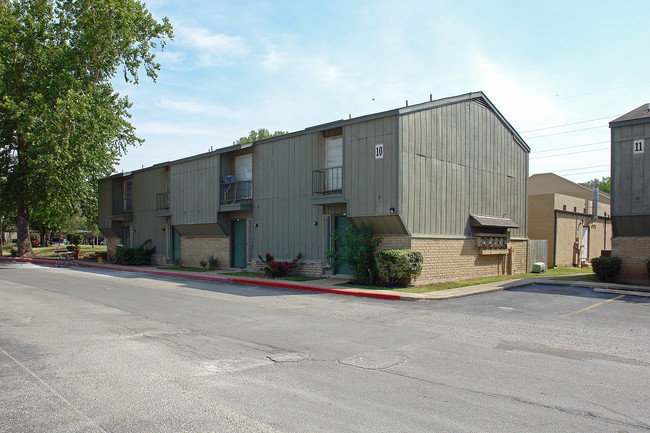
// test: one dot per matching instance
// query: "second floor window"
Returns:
(333, 163)
(128, 202)
(244, 175)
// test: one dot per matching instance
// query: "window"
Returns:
(128, 203)
(244, 176)
(333, 163)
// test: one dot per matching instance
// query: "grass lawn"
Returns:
(581, 274)
(85, 251)
(185, 268)
(297, 278)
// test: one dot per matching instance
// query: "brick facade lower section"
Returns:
(451, 259)
(308, 268)
(195, 249)
(394, 242)
(111, 245)
(633, 252)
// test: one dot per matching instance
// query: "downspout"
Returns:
(555, 240)
(469, 165)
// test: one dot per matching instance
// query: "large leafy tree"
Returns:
(62, 125)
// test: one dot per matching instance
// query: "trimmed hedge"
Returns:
(399, 266)
(135, 256)
(606, 268)
(647, 265)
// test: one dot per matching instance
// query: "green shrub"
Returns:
(14, 252)
(358, 251)
(70, 248)
(203, 263)
(647, 266)
(212, 262)
(135, 256)
(606, 268)
(399, 266)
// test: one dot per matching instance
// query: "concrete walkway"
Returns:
(332, 285)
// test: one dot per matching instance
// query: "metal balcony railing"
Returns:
(236, 191)
(162, 201)
(327, 180)
(122, 206)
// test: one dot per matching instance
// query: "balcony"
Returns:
(327, 185)
(122, 210)
(236, 196)
(162, 204)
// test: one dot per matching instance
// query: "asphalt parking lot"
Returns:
(85, 350)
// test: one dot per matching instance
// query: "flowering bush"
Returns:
(275, 269)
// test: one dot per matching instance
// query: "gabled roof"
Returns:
(551, 183)
(638, 115)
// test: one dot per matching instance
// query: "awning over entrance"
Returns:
(199, 230)
(494, 222)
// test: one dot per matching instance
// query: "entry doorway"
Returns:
(341, 223)
(176, 246)
(238, 243)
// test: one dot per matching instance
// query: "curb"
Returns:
(273, 284)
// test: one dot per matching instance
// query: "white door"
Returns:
(585, 244)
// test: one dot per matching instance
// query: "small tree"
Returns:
(358, 251)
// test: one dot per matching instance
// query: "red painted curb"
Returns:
(273, 284)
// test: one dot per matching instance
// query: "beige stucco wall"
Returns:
(633, 252)
(195, 249)
(573, 214)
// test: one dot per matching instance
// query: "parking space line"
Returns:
(592, 306)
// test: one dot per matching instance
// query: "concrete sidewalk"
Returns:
(332, 284)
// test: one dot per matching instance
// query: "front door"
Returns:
(176, 246)
(340, 224)
(239, 244)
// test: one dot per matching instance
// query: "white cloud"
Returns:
(162, 128)
(210, 48)
(197, 107)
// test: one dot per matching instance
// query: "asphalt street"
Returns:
(89, 350)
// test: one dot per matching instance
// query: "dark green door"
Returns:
(176, 246)
(239, 244)
(340, 224)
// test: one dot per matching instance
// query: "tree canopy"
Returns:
(260, 134)
(62, 125)
(604, 184)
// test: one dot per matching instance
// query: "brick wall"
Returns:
(451, 259)
(309, 268)
(195, 249)
(394, 242)
(633, 251)
(111, 244)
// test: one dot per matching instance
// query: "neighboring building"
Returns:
(631, 191)
(563, 213)
(447, 178)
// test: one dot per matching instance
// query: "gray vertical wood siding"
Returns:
(459, 159)
(370, 185)
(630, 172)
(194, 194)
(282, 209)
(146, 224)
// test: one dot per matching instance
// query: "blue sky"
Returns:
(285, 65)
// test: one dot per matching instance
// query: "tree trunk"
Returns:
(24, 239)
